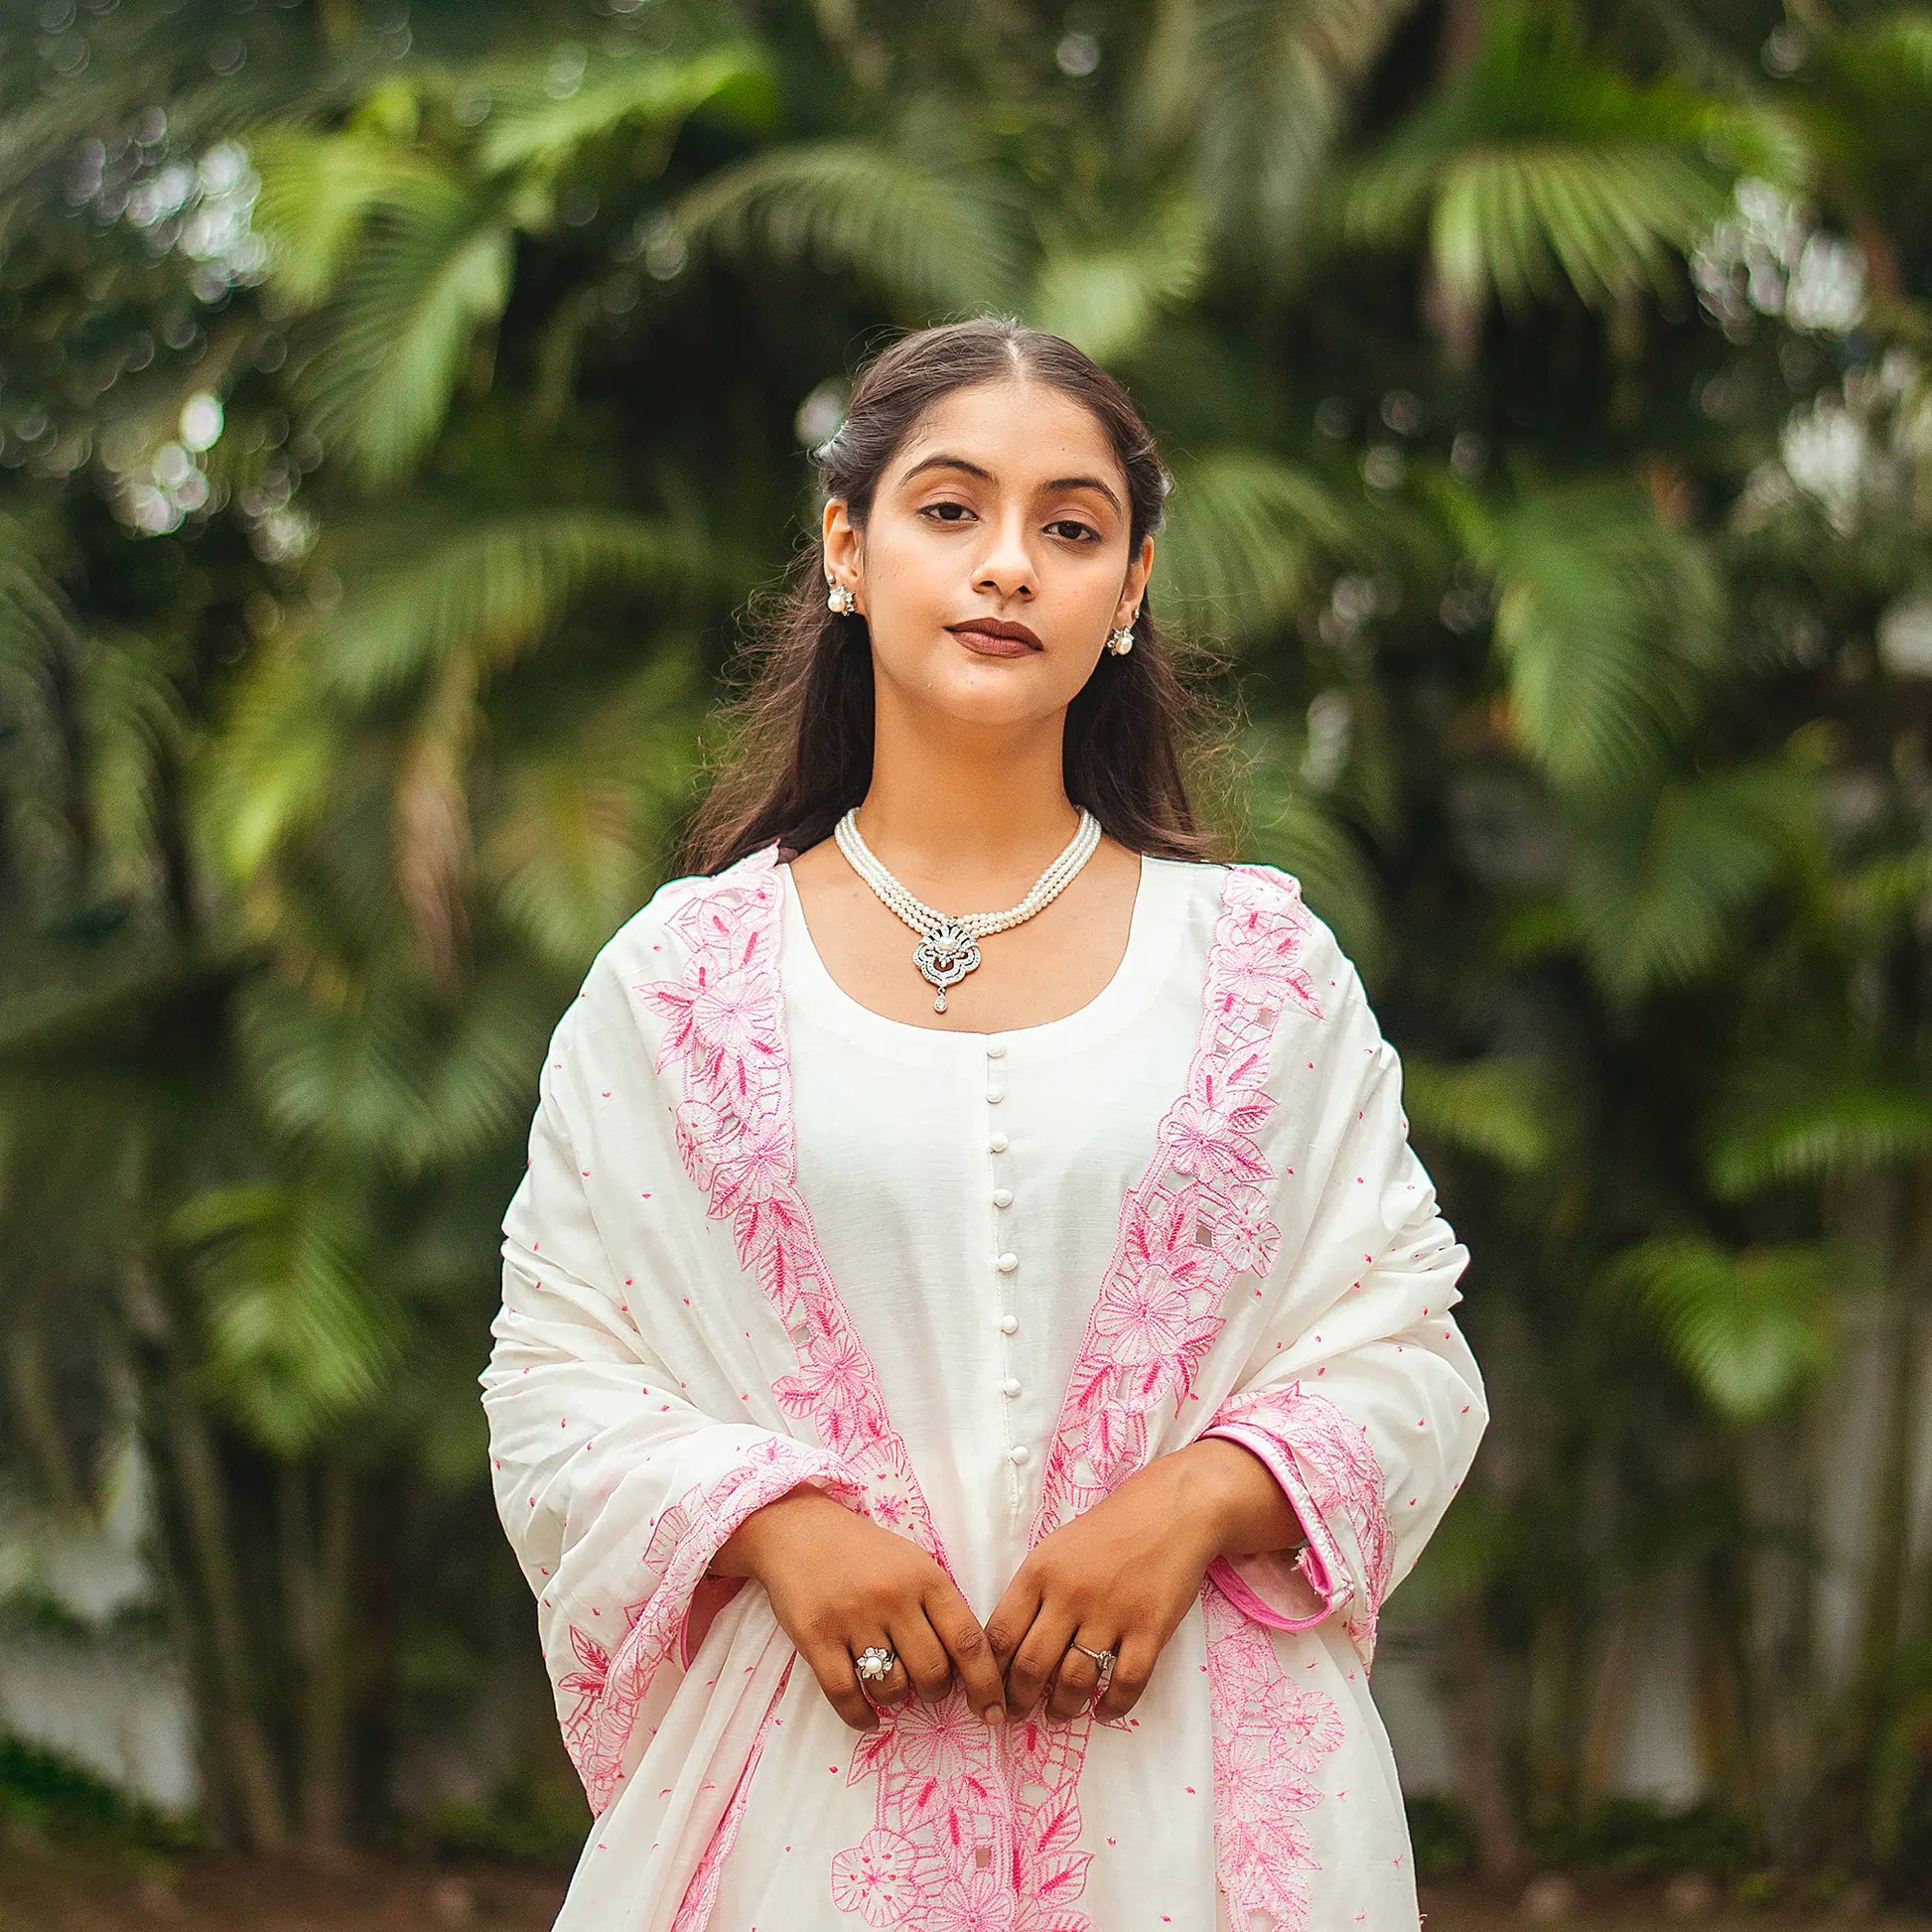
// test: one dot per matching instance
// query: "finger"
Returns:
(1037, 1657)
(970, 1649)
(1127, 1679)
(832, 1665)
(1076, 1679)
(922, 1658)
(1012, 1616)
(893, 1688)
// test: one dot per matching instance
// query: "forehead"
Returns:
(1016, 429)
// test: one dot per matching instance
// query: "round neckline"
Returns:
(1134, 980)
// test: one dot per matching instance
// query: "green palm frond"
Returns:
(1660, 886)
(1289, 827)
(298, 1342)
(1499, 1109)
(424, 583)
(1244, 533)
(1749, 1329)
(477, 1090)
(1879, 896)
(35, 616)
(1867, 104)
(539, 119)
(136, 733)
(1542, 167)
(347, 1073)
(1104, 298)
(432, 268)
(39, 132)
(270, 764)
(319, 192)
(385, 1076)
(1608, 623)
(934, 239)
(1264, 87)
(1816, 1115)
(38, 638)
(576, 823)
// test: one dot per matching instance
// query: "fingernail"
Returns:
(993, 1714)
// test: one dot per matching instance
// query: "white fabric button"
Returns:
(1017, 1453)
(1007, 1323)
(998, 1144)
(996, 1094)
(1003, 1197)
(995, 1048)
(1009, 1262)
(1011, 1386)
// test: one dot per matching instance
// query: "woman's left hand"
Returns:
(1121, 1576)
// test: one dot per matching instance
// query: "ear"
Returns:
(844, 552)
(1135, 588)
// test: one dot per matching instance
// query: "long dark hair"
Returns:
(799, 737)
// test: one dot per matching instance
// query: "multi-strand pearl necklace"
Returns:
(948, 948)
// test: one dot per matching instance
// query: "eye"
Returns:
(1073, 523)
(948, 504)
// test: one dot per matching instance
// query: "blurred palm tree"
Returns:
(397, 405)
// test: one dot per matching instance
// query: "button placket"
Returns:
(1006, 1261)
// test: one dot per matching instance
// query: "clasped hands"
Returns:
(1119, 1576)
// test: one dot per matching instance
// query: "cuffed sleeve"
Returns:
(1360, 1395)
(616, 1490)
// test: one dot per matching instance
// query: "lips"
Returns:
(996, 638)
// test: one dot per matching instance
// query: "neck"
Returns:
(969, 827)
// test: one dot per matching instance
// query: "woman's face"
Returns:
(1005, 504)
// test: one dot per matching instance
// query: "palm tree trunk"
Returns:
(318, 1555)
(204, 1507)
(195, 1466)
(1888, 1537)
(37, 1414)
(1474, 1698)
(1447, 313)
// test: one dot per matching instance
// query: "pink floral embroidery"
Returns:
(586, 1685)
(977, 1831)
(969, 1901)
(610, 1688)
(1270, 1735)
(877, 1879)
(1197, 1217)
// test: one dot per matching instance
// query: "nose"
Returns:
(1005, 565)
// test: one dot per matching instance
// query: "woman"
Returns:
(960, 1406)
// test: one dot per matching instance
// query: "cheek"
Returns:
(916, 574)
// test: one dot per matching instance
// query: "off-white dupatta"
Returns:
(1277, 1260)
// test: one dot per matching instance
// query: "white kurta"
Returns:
(969, 1282)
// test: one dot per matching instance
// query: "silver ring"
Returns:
(874, 1664)
(1104, 1658)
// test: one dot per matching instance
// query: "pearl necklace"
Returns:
(948, 948)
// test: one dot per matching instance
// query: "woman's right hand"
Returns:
(838, 1583)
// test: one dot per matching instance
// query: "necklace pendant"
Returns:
(945, 957)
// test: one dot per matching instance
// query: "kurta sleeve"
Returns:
(1360, 1394)
(615, 1488)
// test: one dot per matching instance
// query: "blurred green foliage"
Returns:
(399, 404)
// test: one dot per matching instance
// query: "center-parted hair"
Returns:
(800, 731)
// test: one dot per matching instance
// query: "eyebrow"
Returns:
(944, 461)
